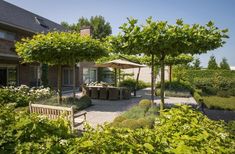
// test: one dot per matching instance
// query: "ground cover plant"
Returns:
(177, 130)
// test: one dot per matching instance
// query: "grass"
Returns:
(216, 102)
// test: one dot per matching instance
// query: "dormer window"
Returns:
(41, 22)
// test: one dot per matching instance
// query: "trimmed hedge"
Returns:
(130, 84)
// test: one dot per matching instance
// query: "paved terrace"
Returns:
(105, 111)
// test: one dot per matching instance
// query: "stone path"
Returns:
(105, 111)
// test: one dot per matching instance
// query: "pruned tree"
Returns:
(160, 39)
(59, 48)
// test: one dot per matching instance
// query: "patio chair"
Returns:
(86, 91)
(103, 93)
(94, 93)
(114, 94)
(126, 93)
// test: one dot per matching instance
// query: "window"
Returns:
(89, 75)
(7, 35)
(68, 76)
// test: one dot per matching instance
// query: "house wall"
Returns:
(145, 73)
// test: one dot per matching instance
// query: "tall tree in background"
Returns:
(196, 64)
(224, 64)
(100, 27)
(212, 64)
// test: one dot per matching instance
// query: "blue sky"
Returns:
(222, 12)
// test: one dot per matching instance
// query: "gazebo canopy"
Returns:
(120, 64)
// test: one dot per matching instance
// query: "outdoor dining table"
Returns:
(121, 89)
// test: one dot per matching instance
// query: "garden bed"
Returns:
(216, 102)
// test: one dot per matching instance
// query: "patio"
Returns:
(105, 111)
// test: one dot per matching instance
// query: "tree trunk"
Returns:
(74, 82)
(115, 79)
(119, 74)
(152, 81)
(137, 81)
(170, 73)
(59, 85)
(162, 82)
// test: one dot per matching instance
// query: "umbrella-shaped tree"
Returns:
(160, 39)
(59, 48)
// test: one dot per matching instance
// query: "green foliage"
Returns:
(177, 130)
(197, 96)
(78, 104)
(24, 133)
(212, 65)
(177, 86)
(217, 102)
(224, 64)
(130, 84)
(145, 104)
(196, 64)
(57, 48)
(223, 93)
(22, 95)
(100, 28)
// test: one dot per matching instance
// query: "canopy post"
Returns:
(137, 81)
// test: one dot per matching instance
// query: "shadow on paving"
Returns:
(220, 114)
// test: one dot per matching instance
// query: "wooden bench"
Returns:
(54, 112)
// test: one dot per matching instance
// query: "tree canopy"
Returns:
(212, 64)
(160, 39)
(196, 64)
(100, 27)
(224, 64)
(64, 48)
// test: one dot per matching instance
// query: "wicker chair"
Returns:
(114, 94)
(94, 93)
(126, 93)
(86, 91)
(103, 93)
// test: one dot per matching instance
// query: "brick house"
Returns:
(16, 23)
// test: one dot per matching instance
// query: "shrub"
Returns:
(145, 103)
(231, 92)
(119, 119)
(78, 104)
(130, 123)
(134, 112)
(24, 133)
(177, 86)
(130, 84)
(208, 90)
(177, 130)
(22, 95)
(197, 96)
(223, 93)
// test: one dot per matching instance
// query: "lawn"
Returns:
(220, 102)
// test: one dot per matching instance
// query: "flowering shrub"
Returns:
(23, 94)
